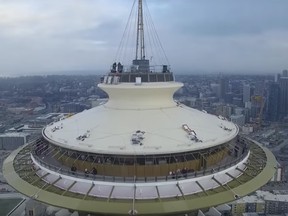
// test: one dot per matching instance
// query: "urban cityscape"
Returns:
(258, 104)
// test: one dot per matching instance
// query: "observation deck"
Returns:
(112, 196)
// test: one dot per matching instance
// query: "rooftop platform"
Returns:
(108, 129)
(111, 188)
(157, 198)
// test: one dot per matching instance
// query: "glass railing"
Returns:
(45, 148)
(172, 177)
(115, 78)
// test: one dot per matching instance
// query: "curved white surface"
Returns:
(109, 128)
(148, 190)
(152, 95)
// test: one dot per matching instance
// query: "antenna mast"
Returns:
(140, 45)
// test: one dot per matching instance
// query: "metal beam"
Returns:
(244, 172)
(234, 178)
(40, 178)
(56, 153)
(201, 187)
(85, 159)
(69, 188)
(110, 194)
(54, 182)
(62, 155)
(92, 186)
(219, 183)
(158, 193)
(180, 190)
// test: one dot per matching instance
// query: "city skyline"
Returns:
(39, 37)
(29, 103)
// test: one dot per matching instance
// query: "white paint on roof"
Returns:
(149, 108)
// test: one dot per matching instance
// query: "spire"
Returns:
(148, 46)
(140, 45)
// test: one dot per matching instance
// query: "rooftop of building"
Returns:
(261, 196)
(113, 129)
(14, 134)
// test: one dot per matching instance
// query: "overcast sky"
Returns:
(48, 36)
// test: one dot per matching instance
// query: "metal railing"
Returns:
(132, 179)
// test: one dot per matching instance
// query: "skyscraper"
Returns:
(246, 93)
(285, 73)
(283, 84)
(273, 102)
(224, 87)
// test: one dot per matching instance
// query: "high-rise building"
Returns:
(283, 84)
(246, 93)
(215, 87)
(237, 101)
(224, 87)
(262, 202)
(258, 88)
(238, 119)
(141, 153)
(250, 203)
(11, 141)
(273, 102)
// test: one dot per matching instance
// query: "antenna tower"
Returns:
(140, 45)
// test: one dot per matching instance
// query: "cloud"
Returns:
(260, 53)
(229, 17)
(53, 17)
(54, 35)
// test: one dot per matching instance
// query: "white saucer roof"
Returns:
(148, 108)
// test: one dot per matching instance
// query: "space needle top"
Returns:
(141, 153)
(150, 63)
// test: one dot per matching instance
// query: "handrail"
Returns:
(138, 179)
(178, 154)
